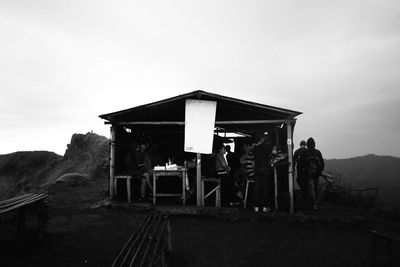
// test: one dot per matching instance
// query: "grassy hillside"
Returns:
(370, 171)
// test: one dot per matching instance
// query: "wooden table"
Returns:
(179, 172)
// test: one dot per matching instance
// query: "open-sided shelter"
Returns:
(165, 120)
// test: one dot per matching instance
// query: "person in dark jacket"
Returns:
(299, 159)
(262, 174)
(314, 166)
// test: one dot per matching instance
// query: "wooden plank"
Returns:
(143, 239)
(290, 159)
(131, 241)
(6, 207)
(26, 202)
(160, 239)
(145, 246)
(15, 201)
(216, 122)
(6, 201)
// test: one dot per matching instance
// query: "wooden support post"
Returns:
(290, 167)
(184, 174)
(276, 187)
(112, 161)
(218, 197)
(128, 189)
(154, 188)
(198, 180)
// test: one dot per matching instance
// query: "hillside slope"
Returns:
(24, 171)
(370, 171)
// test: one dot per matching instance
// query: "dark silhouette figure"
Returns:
(314, 166)
(299, 158)
(262, 174)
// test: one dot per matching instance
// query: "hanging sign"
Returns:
(199, 125)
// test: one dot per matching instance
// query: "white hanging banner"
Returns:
(199, 125)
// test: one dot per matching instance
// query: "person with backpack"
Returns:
(299, 159)
(314, 166)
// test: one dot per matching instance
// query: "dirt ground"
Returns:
(82, 232)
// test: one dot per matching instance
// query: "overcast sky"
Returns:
(63, 63)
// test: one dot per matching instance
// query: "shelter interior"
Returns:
(161, 125)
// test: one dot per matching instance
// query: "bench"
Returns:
(22, 204)
(149, 245)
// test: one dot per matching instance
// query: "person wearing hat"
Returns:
(299, 159)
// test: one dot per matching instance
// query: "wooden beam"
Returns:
(216, 123)
(198, 180)
(290, 167)
(152, 123)
(253, 122)
(112, 160)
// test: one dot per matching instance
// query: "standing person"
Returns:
(236, 173)
(247, 167)
(262, 174)
(247, 162)
(223, 172)
(299, 159)
(314, 166)
(144, 165)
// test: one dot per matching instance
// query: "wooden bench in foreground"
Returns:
(149, 245)
(22, 204)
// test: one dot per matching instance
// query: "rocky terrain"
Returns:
(86, 158)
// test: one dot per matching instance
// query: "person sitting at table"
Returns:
(144, 167)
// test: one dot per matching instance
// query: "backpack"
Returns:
(313, 163)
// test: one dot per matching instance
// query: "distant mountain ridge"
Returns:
(370, 171)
